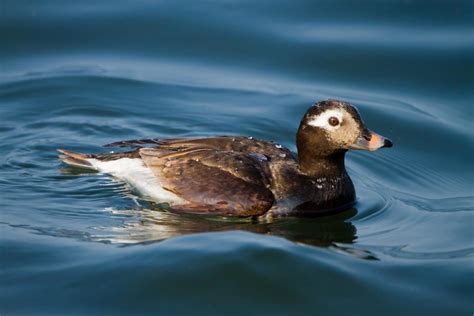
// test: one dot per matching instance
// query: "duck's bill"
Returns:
(371, 141)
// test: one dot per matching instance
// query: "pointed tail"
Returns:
(75, 159)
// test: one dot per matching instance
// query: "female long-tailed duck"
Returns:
(242, 176)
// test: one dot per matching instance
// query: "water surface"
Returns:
(80, 75)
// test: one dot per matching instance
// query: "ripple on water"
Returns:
(444, 205)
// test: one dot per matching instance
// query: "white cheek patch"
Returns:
(322, 119)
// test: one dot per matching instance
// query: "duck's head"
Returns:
(330, 128)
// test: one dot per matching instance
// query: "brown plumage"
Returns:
(242, 176)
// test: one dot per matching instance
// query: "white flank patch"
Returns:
(137, 175)
(322, 119)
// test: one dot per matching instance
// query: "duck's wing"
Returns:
(212, 181)
(144, 142)
(244, 145)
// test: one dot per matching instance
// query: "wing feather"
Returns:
(216, 182)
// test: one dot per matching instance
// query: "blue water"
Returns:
(78, 75)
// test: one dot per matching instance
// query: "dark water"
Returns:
(81, 74)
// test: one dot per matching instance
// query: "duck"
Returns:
(240, 176)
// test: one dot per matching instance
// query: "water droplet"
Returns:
(278, 146)
(250, 137)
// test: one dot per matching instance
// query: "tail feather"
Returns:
(84, 160)
(75, 159)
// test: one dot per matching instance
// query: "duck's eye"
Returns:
(333, 121)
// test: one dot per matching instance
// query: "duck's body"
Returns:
(239, 176)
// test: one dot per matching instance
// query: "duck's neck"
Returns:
(332, 188)
(322, 166)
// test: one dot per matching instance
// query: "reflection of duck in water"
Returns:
(148, 225)
(242, 176)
